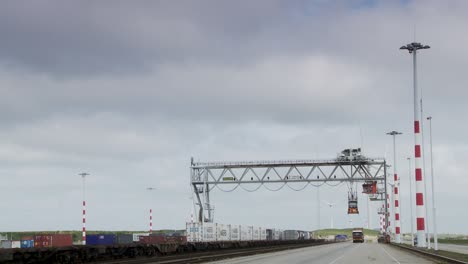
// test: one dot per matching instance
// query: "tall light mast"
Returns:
(420, 193)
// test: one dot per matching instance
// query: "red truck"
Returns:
(358, 235)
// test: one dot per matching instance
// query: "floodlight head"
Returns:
(394, 133)
(429, 117)
(403, 47)
(426, 47)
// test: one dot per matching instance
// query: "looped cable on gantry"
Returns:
(260, 185)
(333, 185)
(271, 190)
(317, 185)
(237, 186)
(297, 190)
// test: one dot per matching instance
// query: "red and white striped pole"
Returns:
(151, 221)
(395, 188)
(388, 227)
(420, 209)
(83, 238)
(150, 211)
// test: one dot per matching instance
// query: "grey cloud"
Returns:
(129, 92)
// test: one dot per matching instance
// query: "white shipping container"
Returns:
(194, 232)
(277, 234)
(263, 234)
(209, 232)
(5, 244)
(246, 233)
(223, 232)
(15, 244)
(235, 233)
(255, 233)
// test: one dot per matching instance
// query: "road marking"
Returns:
(390, 255)
(340, 257)
(337, 259)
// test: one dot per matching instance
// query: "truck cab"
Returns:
(358, 235)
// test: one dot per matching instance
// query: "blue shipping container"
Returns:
(104, 239)
(27, 243)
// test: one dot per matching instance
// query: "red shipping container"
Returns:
(56, 240)
(152, 239)
(27, 238)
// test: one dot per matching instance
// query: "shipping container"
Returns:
(124, 239)
(290, 235)
(235, 232)
(223, 232)
(263, 235)
(5, 244)
(246, 233)
(209, 232)
(27, 243)
(136, 236)
(27, 238)
(3, 237)
(194, 232)
(152, 239)
(255, 233)
(53, 240)
(269, 234)
(15, 244)
(102, 239)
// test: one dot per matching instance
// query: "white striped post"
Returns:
(83, 237)
(420, 207)
(150, 211)
(396, 190)
(151, 221)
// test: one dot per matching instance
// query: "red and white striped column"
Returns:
(388, 228)
(382, 220)
(397, 210)
(420, 210)
(151, 222)
(83, 238)
(396, 184)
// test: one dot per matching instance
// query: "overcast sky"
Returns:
(128, 91)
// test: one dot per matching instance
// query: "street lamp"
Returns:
(436, 246)
(83, 238)
(395, 189)
(420, 187)
(411, 200)
(150, 212)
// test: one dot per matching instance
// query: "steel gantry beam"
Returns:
(205, 176)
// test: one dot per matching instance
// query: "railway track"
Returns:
(201, 257)
(428, 254)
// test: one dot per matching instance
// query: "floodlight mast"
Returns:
(420, 183)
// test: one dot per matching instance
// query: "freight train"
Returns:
(59, 249)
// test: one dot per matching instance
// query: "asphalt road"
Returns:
(341, 253)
